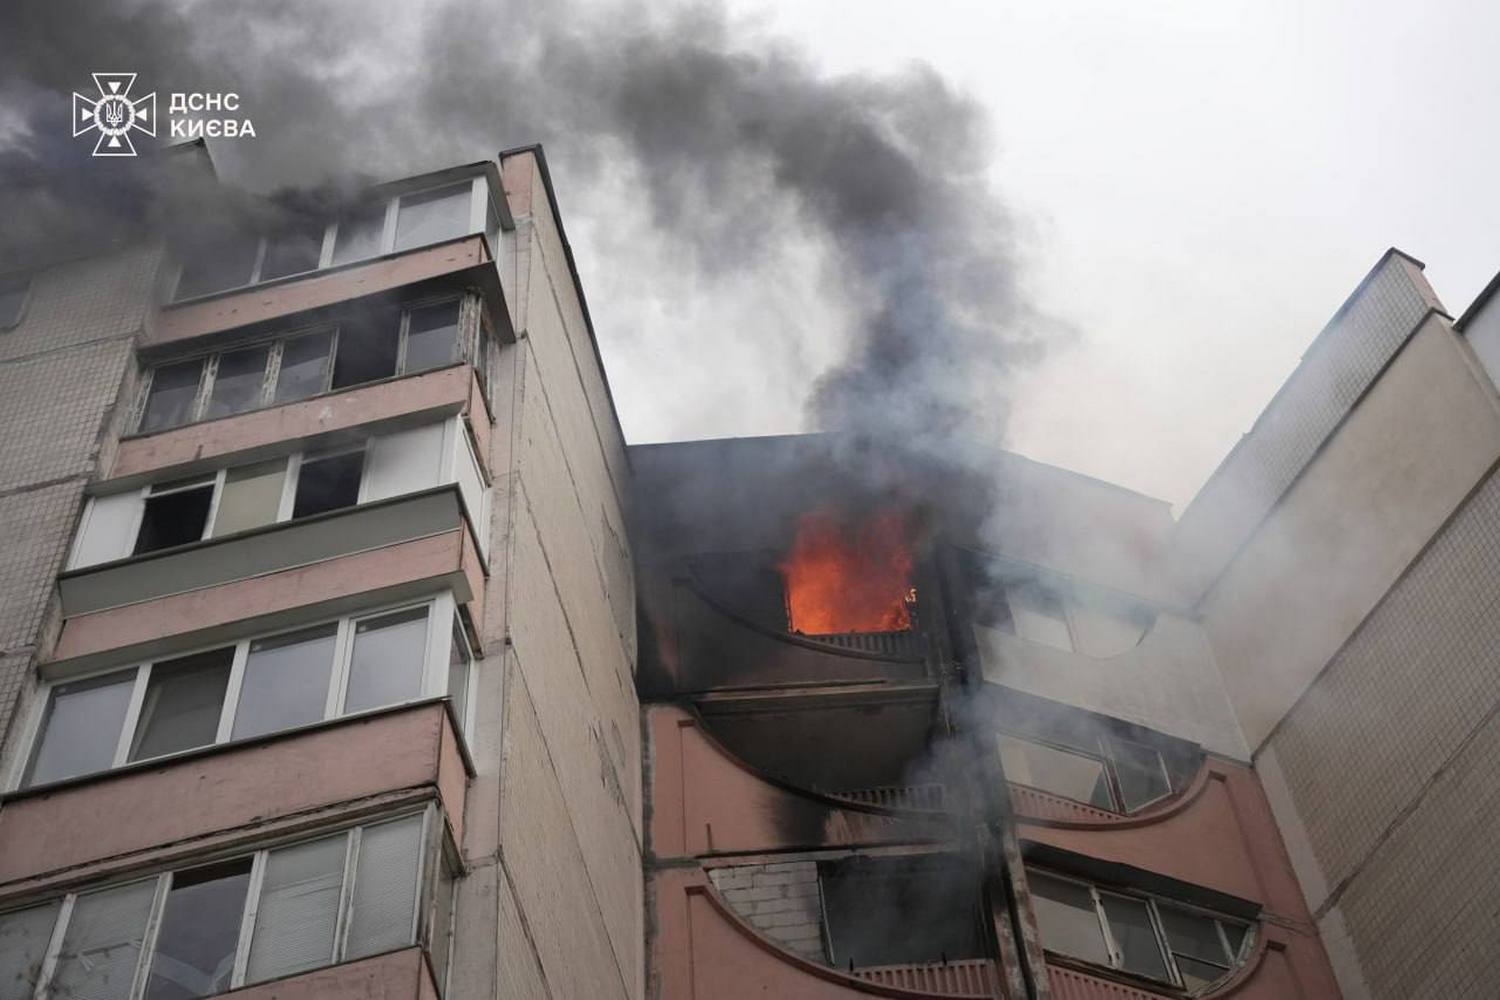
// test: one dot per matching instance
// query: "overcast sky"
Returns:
(1201, 183)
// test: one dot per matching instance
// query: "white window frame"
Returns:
(1163, 944)
(1102, 753)
(441, 607)
(426, 862)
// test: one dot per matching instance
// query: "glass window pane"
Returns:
(24, 935)
(1236, 935)
(238, 382)
(433, 216)
(385, 887)
(82, 728)
(1192, 934)
(1066, 918)
(325, 484)
(458, 670)
(1140, 772)
(368, 345)
(439, 938)
(291, 253)
(1037, 614)
(183, 701)
(200, 929)
(286, 681)
(1061, 772)
(102, 946)
(432, 336)
(304, 367)
(299, 904)
(387, 663)
(1135, 937)
(1196, 974)
(173, 390)
(217, 268)
(174, 519)
(251, 497)
(359, 234)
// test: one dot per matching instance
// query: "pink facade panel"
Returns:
(233, 789)
(448, 557)
(396, 975)
(319, 289)
(704, 800)
(445, 391)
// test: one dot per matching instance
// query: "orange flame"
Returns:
(840, 580)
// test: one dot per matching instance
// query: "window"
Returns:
(432, 336)
(888, 911)
(14, 289)
(369, 347)
(1139, 934)
(257, 686)
(291, 252)
(305, 367)
(387, 663)
(174, 514)
(286, 681)
(328, 482)
(238, 382)
(1114, 773)
(81, 728)
(173, 396)
(1038, 614)
(250, 497)
(433, 216)
(360, 234)
(459, 662)
(204, 930)
(184, 699)
(217, 267)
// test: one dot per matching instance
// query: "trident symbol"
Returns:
(113, 114)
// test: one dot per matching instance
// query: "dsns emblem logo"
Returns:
(113, 114)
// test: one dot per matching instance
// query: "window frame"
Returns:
(433, 850)
(1152, 903)
(441, 607)
(1102, 753)
(275, 345)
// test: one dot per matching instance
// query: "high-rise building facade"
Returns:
(328, 566)
(319, 634)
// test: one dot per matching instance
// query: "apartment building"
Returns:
(317, 651)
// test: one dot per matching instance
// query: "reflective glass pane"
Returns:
(432, 336)
(251, 497)
(82, 728)
(386, 666)
(102, 946)
(1066, 918)
(1135, 937)
(200, 929)
(439, 938)
(299, 904)
(291, 253)
(1071, 775)
(238, 382)
(173, 390)
(286, 681)
(1236, 935)
(183, 701)
(433, 216)
(1140, 772)
(24, 935)
(304, 367)
(458, 671)
(359, 234)
(1193, 934)
(1196, 974)
(385, 887)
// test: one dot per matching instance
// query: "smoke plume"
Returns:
(732, 144)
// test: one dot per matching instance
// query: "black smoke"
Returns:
(724, 133)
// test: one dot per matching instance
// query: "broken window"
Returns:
(893, 911)
(328, 482)
(173, 395)
(1134, 933)
(433, 216)
(184, 699)
(174, 513)
(239, 379)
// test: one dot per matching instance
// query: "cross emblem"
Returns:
(114, 114)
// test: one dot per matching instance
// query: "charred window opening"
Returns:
(902, 911)
(174, 514)
(747, 583)
(328, 482)
(847, 573)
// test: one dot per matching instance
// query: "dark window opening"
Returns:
(175, 518)
(360, 234)
(328, 483)
(897, 911)
(291, 252)
(368, 345)
(199, 932)
(217, 268)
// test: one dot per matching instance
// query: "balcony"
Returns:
(222, 794)
(396, 975)
(387, 550)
